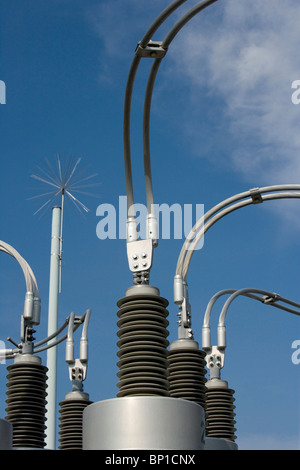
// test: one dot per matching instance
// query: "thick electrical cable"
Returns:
(264, 296)
(30, 280)
(250, 193)
(127, 103)
(219, 216)
(149, 92)
(271, 295)
(67, 322)
(195, 235)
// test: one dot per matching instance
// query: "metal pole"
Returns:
(52, 326)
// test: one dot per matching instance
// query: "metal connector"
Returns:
(77, 370)
(215, 358)
(152, 229)
(270, 299)
(256, 196)
(139, 254)
(131, 229)
(153, 50)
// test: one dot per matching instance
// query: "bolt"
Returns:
(135, 256)
(135, 266)
(144, 264)
(144, 255)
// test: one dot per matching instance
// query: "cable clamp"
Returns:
(153, 50)
(270, 299)
(77, 370)
(256, 196)
(139, 254)
(215, 357)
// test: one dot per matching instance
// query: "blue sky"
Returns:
(222, 122)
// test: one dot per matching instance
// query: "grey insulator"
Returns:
(26, 403)
(219, 413)
(142, 345)
(71, 415)
(187, 375)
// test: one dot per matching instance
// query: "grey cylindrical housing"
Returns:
(6, 435)
(143, 422)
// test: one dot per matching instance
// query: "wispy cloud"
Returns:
(234, 64)
(120, 25)
(243, 56)
(247, 57)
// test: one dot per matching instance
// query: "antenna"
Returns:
(63, 182)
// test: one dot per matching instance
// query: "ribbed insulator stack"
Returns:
(71, 415)
(142, 343)
(187, 371)
(219, 414)
(26, 401)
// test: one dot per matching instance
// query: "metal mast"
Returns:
(52, 324)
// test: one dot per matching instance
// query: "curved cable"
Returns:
(149, 92)
(127, 103)
(266, 297)
(213, 300)
(225, 212)
(31, 284)
(32, 303)
(200, 228)
(87, 316)
(272, 295)
(68, 322)
(53, 335)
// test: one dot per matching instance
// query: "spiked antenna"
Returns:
(63, 182)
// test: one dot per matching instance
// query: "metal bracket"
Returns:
(139, 254)
(270, 299)
(77, 370)
(185, 314)
(215, 358)
(256, 196)
(152, 50)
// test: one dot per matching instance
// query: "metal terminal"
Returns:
(215, 357)
(141, 277)
(153, 50)
(77, 370)
(77, 367)
(139, 254)
(184, 314)
(256, 196)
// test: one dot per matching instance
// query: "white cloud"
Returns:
(121, 25)
(235, 63)
(248, 56)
